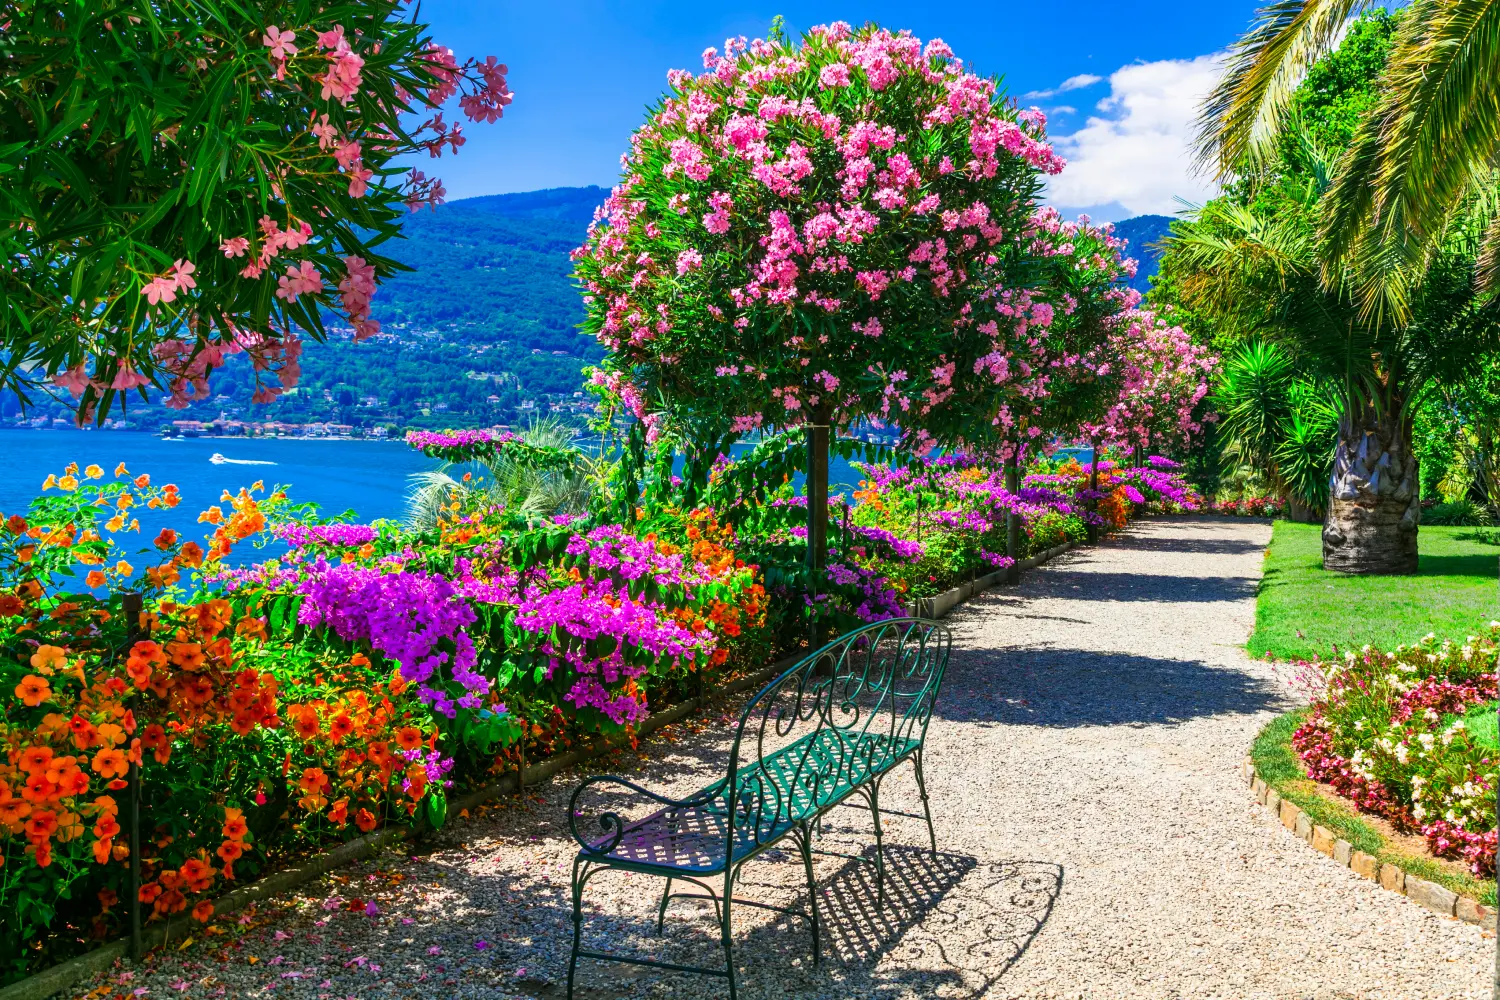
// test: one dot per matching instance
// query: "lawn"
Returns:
(1302, 611)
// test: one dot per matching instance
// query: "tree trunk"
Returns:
(1373, 507)
(1013, 520)
(1300, 512)
(817, 495)
(1093, 529)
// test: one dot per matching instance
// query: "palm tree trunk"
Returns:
(1373, 506)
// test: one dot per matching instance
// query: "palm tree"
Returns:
(1423, 155)
(515, 486)
(1260, 273)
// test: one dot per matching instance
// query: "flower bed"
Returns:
(356, 680)
(1407, 735)
(1249, 507)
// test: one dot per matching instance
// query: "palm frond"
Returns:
(1487, 264)
(1426, 148)
(431, 493)
(1245, 111)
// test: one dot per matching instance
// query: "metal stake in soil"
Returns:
(130, 606)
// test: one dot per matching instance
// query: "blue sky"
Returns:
(585, 70)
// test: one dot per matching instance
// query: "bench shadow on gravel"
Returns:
(949, 923)
(1063, 687)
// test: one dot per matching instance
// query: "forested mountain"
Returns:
(1143, 232)
(494, 269)
(483, 325)
(481, 331)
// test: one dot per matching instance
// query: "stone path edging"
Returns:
(1434, 897)
(940, 604)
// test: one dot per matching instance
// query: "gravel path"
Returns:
(1095, 838)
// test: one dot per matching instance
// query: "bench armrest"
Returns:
(612, 823)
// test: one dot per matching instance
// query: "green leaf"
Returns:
(437, 808)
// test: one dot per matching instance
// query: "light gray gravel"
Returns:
(1096, 840)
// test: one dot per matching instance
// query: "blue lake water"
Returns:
(367, 477)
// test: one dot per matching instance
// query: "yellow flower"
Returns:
(51, 482)
(93, 472)
(258, 486)
(48, 658)
(72, 469)
(125, 501)
(115, 523)
(67, 484)
(120, 470)
(135, 524)
(124, 568)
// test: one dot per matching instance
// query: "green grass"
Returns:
(1453, 595)
(1277, 764)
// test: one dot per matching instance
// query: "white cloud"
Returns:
(1080, 81)
(1071, 83)
(1062, 109)
(1136, 153)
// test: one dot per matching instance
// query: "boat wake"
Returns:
(218, 459)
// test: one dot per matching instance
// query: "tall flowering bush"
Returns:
(839, 230)
(206, 181)
(1163, 382)
(1388, 730)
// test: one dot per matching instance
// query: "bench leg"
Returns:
(727, 933)
(577, 925)
(922, 789)
(874, 798)
(804, 843)
(661, 913)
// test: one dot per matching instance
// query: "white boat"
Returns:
(219, 459)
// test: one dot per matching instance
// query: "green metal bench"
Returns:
(832, 726)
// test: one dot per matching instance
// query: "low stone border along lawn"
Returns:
(1368, 845)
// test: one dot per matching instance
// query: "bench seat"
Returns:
(793, 784)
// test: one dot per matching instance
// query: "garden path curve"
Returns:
(1096, 840)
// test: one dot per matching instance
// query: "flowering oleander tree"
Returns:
(837, 231)
(1162, 381)
(185, 181)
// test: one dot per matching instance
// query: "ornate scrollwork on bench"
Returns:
(829, 727)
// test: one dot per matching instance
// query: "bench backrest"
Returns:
(841, 715)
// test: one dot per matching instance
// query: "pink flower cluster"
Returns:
(273, 240)
(355, 291)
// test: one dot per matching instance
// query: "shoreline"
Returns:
(210, 437)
